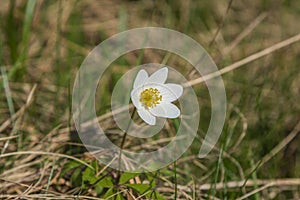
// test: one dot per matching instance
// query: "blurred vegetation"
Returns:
(42, 46)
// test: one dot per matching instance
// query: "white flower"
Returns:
(152, 97)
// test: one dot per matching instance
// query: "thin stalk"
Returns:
(122, 146)
(175, 179)
(10, 106)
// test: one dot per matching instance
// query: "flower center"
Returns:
(150, 97)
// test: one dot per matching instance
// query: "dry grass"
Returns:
(256, 46)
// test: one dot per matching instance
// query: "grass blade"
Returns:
(18, 68)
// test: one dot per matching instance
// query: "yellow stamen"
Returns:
(150, 97)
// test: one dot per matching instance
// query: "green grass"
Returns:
(44, 43)
(18, 70)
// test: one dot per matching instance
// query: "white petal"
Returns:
(146, 116)
(160, 76)
(170, 92)
(176, 89)
(140, 79)
(165, 109)
(135, 97)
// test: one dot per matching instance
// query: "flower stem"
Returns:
(122, 145)
(175, 179)
(176, 126)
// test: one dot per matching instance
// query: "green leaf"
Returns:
(151, 180)
(98, 189)
(119, 197)
(155, 195)
(140, 188)
(69, 166)
(126, 176)
(106, 182)
(108, 193)
(76, 178)
(167, 172)
(89, 175)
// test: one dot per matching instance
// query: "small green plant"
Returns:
(85, 178)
